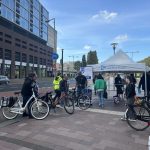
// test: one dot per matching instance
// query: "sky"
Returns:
(84, 25)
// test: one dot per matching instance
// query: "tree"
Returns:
(83, 61)
(77, 65)
(146, 61)
(92, 57)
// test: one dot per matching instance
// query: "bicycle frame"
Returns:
(21, 109)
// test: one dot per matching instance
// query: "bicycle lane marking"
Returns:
(149, 143)
(105, 111)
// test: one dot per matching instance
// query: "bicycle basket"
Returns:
(8, 101)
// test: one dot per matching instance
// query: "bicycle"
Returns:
(138, 118)
(12, 108)
(82, 100)
(68, 102)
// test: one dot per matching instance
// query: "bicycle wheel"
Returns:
(39, 109)
(10, 112)
(84, 102)
(69, 105)
(138, 120)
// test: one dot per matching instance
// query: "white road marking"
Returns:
(149, 143)
(105, 111)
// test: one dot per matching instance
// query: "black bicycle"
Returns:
(82, 100)
(138, 118)
(65, 100)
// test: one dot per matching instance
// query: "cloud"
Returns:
(87, 47)
(104, 16)
(121, 38)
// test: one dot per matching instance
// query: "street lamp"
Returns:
(62, 62)
(114, 45)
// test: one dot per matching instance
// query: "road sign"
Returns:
(55, 56)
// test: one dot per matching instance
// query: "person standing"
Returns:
(142, 83)
(95, 77)
(100, 86)
(118, 85)
(81, 83)
(56, 86)
(28, 87)
(130, 94)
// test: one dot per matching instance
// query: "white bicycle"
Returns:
(38, 108)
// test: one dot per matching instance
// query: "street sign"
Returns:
(55, 56)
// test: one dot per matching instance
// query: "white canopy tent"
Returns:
(121, 62)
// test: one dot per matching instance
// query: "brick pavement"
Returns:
(84, 130)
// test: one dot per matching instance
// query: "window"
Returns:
(18, 45)
(45, 36)
(24, 57)
(18, 40)
(24, 42)
(36, 13)
(30, 59)
(36, 4)
(17, 56)
(24, 13)
(35, 22)
(9, 3)
(45, 12)
(8, 36)
(44, 61)
(25, 4)
(6, 41)
(40, 61)
(1, 33)
(7, 13)
(35, 30)
(24, 23)
(1, 53)
(23, 46)
(1, 39)
(7, 54)
(35, 60)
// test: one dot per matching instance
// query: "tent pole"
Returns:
(145, 94)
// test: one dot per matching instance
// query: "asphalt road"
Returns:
(17, 86)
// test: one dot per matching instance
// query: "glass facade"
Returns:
(29, 14)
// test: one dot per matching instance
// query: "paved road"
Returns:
(84, 130)
(14, 86)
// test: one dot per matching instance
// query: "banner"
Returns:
(87, 71)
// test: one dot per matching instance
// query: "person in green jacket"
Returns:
(100, 86)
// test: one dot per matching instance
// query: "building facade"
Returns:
(24, 39)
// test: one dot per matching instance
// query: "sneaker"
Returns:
(123, 118)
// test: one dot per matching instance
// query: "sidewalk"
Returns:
(83, 130)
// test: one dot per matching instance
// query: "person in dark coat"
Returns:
(133, 78)
(95, 77)
(118, 85)
(28, 87)
(142, 83)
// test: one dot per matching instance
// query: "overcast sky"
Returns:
(84, 25)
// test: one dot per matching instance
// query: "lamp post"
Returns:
(54, 48)
(114, 45)
(62, 62)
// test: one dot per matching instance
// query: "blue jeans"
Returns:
(101, 98)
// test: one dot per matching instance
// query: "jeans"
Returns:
(101, 98)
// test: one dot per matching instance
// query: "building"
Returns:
(24, 39)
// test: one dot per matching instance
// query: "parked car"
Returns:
(4, 80)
